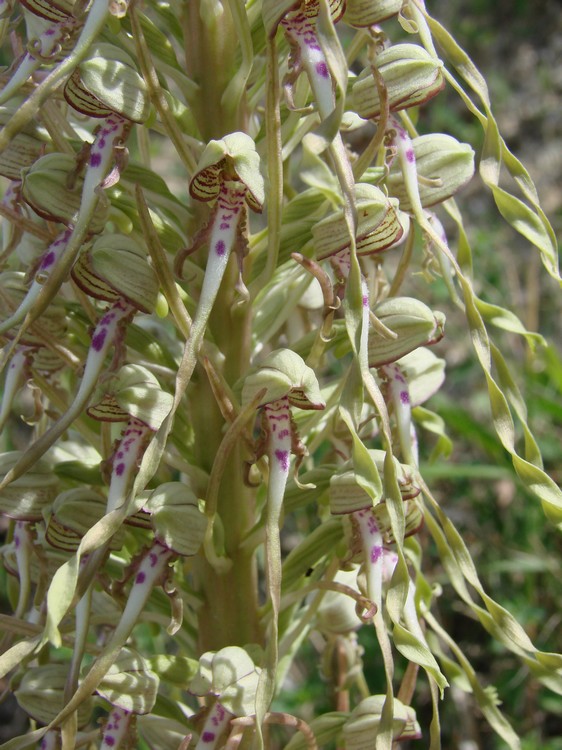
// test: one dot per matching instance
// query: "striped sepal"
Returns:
(82, 100)
(74, 512)
(56, 12)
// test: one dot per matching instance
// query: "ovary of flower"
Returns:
(116, 729)
(301, 31)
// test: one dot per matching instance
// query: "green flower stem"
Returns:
(106, 336)
(94, 24)
(45, 47)
(216, 722)
(116, 730)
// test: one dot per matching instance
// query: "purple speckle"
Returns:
(153, 558)
(283, 433)
(120, 454)
(50, 32)
(404, 397)
(48, 260)
(95, 159)
(410, 156)
(220, 248)
(365, 301)
(98, 340)
(283, 458)
(224, 225)
(119, 469)
(109, 740)
(208, 736)
(17, 541)
(141, 577)
(376, 553)
(322, 69)
(101, 142)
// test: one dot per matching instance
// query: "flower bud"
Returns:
(107, 82)
(130, 684)
(364, 13)
(46, 188)
(360, 729)
(411, 76)
(23, 150)
(116, 267)
(25, 498)
(413, 323)
(231, 675)
(41, 693)
(178, 522)
(74, 513)
(443, 166)
(378, 225)
(133, 392)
